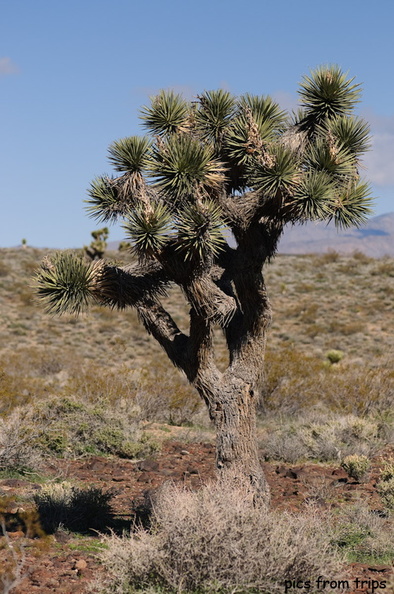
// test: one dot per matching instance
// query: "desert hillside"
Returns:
(375, 239)
(94, 421)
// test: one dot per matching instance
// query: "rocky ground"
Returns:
(67, 563)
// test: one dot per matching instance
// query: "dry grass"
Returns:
(71, 387)
(216, 540)
(317, 435)
(320, 304)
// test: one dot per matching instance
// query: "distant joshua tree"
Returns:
(96, 250)
(207, 167)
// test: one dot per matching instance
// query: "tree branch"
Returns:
(123, 287)
(161, 326)
(201, 370)
(246, 333)
(204, 288)
(138, 286)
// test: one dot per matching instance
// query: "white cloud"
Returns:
(7, 66)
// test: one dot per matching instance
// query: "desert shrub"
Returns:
(216, 540)
(296, 381)
(328, 257)
(334, 356)
(387, 471)
(17, 454)
(362, 391)
(79, 510)
(15, 391)
(91, 382)
(385, 267)
(165, 396)
(316, 436)
(363, 535)
(356, 466)
(361, 257)
(386, 492)
(385, 487)
(5, 270)
(290, 380)
(70, 427)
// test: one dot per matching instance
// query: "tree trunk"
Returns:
(232, 408)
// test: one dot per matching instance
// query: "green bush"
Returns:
(69, 427)
(334, 356)
(363, 535)
(356, 466)
(387, 471)
(318, 436)
(385, 489)
(78, 510)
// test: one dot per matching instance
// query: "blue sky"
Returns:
(73, 75)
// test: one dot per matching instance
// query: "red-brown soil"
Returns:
(64, 564)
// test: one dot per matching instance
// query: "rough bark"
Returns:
(230, 294)
(233, 413)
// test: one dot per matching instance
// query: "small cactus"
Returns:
(356, 466)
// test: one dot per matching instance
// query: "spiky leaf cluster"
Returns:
(182, 166)
(277, 171)
(312, 198)
(149, 229)
(327, 94)
(326, 155)
(66, 283)
(130, 154)
(200, 231)
(105, 202)
(215, 113)
(257, 123)
(351, 133)
(352, 205)
(167, 114)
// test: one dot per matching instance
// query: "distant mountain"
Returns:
(375, 239)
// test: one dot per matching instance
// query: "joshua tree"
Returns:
(95, 251)
(209, 167)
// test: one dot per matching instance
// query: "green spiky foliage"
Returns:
(182, 166)
(129, 154)
(66, 283)
(167, 114)
(208, 169)
(104, 201)
(328, 93)
(200, 232)
(221, 161)
(216, 110)
(148, 229)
